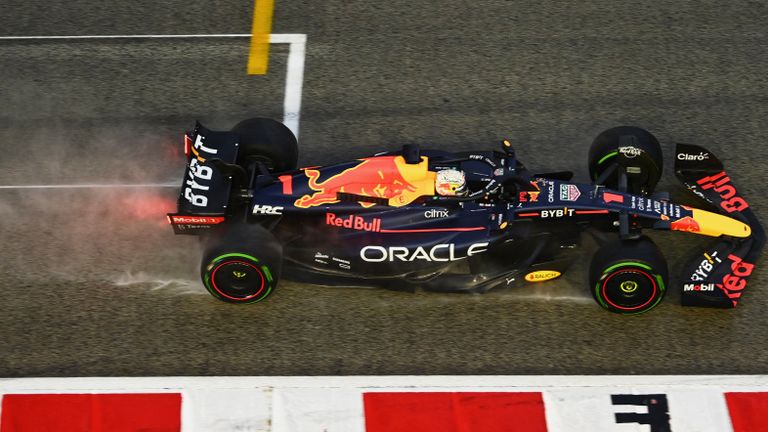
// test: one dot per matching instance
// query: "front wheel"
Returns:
(628, 277)
(241, 264)
(641, 152)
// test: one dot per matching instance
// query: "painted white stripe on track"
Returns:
(134, 36)
(93, 186)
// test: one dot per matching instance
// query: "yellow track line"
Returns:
(258, 57)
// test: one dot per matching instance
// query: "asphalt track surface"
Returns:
(94, 283)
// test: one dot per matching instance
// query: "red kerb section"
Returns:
(454, 412)
(156, 412)
(748, 411)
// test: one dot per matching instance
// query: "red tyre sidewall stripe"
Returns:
(634, 270)
(213, 280)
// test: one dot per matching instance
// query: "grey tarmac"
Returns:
(93, 282)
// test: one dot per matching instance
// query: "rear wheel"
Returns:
(628, 276)
(639, 149)
(267, 141)
(241, 264)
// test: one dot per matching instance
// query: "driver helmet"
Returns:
(450, 182)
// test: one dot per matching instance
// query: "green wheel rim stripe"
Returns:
(239, 255)
(599, 297)
(608, 156)
(628, 263)
(267, 273)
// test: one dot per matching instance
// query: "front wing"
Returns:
(718, 276)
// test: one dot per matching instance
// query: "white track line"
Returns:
(93, 186)
(135, 36)
(294, 80)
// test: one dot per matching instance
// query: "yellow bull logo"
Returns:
(387, 177)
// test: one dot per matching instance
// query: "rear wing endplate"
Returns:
(205, 188)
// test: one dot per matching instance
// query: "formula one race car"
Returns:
(456, 222)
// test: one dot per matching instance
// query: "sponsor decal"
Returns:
(569, 192)
(377, 177)
(197, 176)
(735, 281)
(612, 197)
(693, 157)
(706, 266)
(437, 253)
(721, 184)
(699, 194)
(699, 287)
(343, 264)
(628, 286)
(563, 212)
(509, 280)
(353, 222)
(529, 196)
(434, 213)
(676, 211)
(267, 209)
(550, 192)
(542, 275)
(197, 220)
(199, 146)
(630, 152)
(321, 258)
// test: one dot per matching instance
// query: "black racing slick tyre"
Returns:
(241, 264)
(267, 141)
(628, 277)
(641, 152)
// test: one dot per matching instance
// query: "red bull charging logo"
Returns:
(686, 223)
(377, 177)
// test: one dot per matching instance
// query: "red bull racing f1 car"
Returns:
(457, 221)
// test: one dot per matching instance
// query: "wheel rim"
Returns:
(629, 289)
(238, 280)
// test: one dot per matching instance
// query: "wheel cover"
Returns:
(629, 289)
(238, 280)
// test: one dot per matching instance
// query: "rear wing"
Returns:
(205, 188)
(717, 277)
